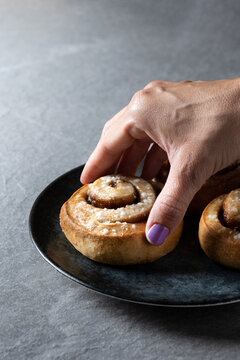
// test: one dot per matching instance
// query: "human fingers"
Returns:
(114, 140)
(133, 156)
(172, 202)
(153, 162)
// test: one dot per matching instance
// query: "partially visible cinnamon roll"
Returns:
(219, 229)
(221, 183)
(106, 221)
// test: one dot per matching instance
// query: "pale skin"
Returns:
(196, 125)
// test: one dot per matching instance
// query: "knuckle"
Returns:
(106, 127)
(141, 96)
(107, 124)
(135, 97)
(107, 148)
(137, 131)
(152, 84)
(135, 124)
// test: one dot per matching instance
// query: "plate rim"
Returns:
(89, 286)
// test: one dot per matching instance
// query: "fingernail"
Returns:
(157, 234)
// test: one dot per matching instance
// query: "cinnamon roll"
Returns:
(221, 183)
(106, 221)
(219, 229)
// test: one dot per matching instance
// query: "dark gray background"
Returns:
(66, 67)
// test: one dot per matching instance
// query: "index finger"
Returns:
(114, 140)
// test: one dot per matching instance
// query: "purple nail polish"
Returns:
(157, 234)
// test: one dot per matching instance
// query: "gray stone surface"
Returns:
(65, 68)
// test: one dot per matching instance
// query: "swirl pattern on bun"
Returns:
(219, 229)
(106, 221)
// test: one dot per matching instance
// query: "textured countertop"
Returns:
(65, 68)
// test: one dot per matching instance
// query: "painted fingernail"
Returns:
(157, 234)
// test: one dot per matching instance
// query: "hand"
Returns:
(196, 125)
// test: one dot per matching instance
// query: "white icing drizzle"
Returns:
(237, 236)
(213, 217)
(112, 221)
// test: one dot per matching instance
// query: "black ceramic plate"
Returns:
(186, 277)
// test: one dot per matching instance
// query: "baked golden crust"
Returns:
(219, 241)
(231, 209)
(221, 183)
(113, 235)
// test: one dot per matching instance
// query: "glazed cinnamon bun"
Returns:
(219, 229)
(220, 183)
(106, 221)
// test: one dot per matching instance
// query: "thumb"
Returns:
(172, 203)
